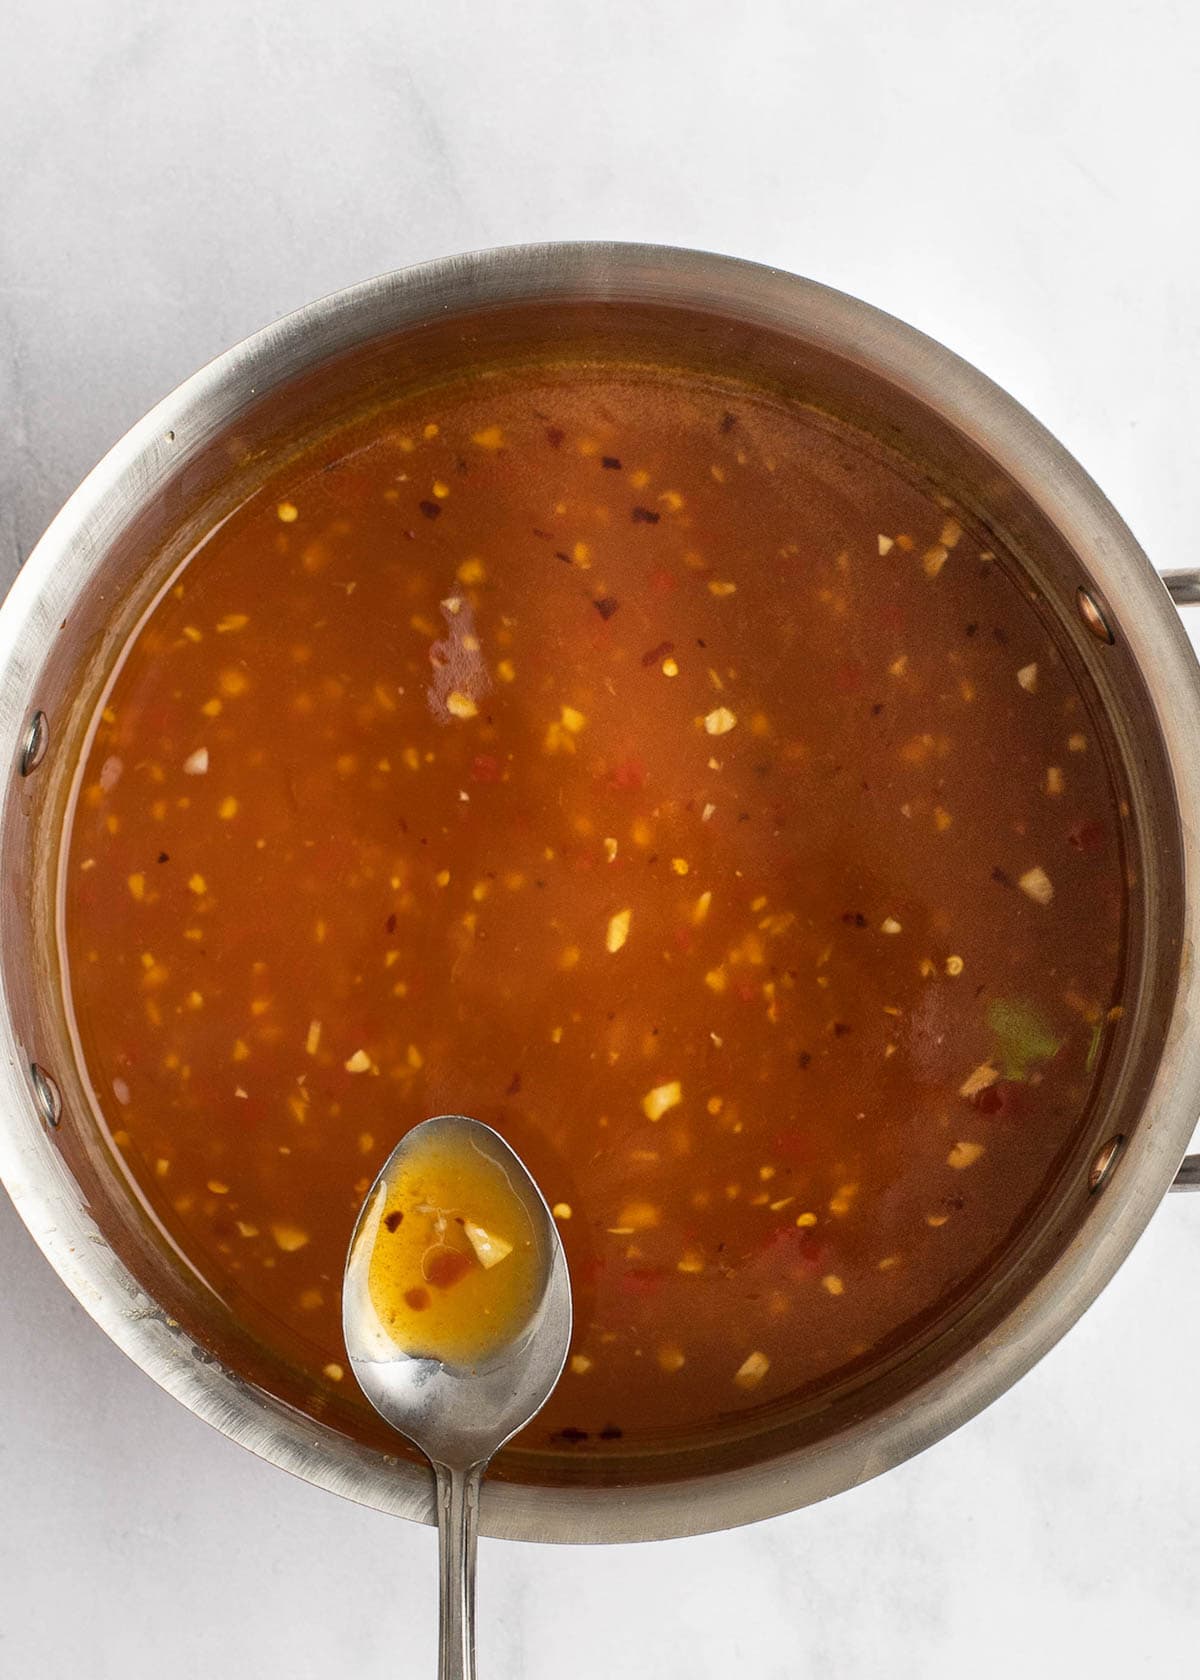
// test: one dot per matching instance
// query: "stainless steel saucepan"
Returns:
(83, 590)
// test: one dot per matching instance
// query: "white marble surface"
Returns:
(1017, 178)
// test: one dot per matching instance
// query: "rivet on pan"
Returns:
(49, 1099)
(37, 739)
(1106, 1157)
(1092, 615)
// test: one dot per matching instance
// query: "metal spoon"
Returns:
(457, 1415)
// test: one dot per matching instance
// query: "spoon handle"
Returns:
(458, 1529)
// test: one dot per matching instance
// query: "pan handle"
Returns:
(1184, 589)
(1183, 585)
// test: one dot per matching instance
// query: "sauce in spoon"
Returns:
(453, 1272)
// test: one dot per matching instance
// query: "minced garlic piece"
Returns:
(289, 1238)
(228, 808)
(288, 512)
(359, 1062)
(196, 764)
(721, 590)
(490, 1249)
(1036, 884)
(580, 1365)
(671, 1358)
(886, 544)
(561, 1210)
(978, 1080)
(491, 437)
(663, 1097)
(690, 1262)
(1054, 781)
(610, 850)
(700, 908)
(618, 930)
(833, 1284)
(890, 925)
(954, 966)
(964, 1155)
(1027, 676)
(572, 720)
(752, 1370)
(639, 1216)
(679, 865)
(720, 721)
(461, 705)
(312, 1041)
(137, 887)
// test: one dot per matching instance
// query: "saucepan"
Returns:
(81, 592)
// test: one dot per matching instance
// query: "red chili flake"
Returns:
(1001, 877)
(417, 1299)
(841, 1028)
(431, 510)
(164, 857)
(1006, 1097)
(629, 775)
(546, 536)
(848, 678)
(559, 555)
(390, 924)
(854, 918)
(657, 654)
(644, 1280)
(486, 768)
(645, 516)
(795, 1144)
(803, 1060)
(811, 1253)
(727, 422)
(514, 1085)
(1087, 836)
(684, 938)
(394, 1220)
(611, 462)
(443, 1267)
(662, 582)
(570, 1435)
(606, 606)
(610, 1432)
(555, 436)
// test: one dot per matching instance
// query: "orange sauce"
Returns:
(648, 769)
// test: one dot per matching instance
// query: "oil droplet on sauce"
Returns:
(454, 1269)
